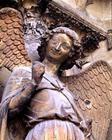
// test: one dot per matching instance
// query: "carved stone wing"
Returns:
(92, 91)
(12, 50)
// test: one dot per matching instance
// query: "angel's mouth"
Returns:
(55, 52)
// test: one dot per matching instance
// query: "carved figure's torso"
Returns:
(51, 116)
(50, 104)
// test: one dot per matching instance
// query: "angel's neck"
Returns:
(51, 68)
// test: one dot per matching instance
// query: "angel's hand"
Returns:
(38, 70)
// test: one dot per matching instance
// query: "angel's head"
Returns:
(61, 46)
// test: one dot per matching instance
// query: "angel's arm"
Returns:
(24, 94)
(20, 99)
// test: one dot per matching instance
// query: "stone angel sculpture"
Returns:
(46, 106)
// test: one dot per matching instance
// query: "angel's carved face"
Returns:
(58, 47)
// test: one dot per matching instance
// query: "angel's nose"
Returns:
(57, 48)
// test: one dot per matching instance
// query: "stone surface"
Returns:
(12, 50)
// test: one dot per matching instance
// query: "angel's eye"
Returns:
(65, 46)
(54, 42)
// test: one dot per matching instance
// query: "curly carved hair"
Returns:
(74, 54)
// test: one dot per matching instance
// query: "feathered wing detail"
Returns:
(12, 50)
(92, 90)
